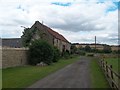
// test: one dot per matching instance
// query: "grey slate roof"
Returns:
(12, 42)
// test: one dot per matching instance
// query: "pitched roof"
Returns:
(12, 42)
(54, 33)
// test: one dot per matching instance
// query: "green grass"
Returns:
(0, 78)
(98, 79)
(113, 62)
(20, 77)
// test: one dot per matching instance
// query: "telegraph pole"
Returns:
(95, 42)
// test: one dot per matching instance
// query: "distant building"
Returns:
(98, 46)
(115, 47)
(12, 42)
(54, 38)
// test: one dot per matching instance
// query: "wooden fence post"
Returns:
(107, 70)
(112, 76)
(103, 65)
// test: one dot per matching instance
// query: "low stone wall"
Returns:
(12, 57)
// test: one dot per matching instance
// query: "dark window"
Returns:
(63, 48)
(53, 41)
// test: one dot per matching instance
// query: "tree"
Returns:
(107, 49)
(27, 36)
(73, 49)
(66, 54)
(87, 48)
(40, 51)
(81, 48)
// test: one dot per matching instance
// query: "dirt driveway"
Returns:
(76, 75)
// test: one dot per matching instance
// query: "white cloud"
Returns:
(79, 22)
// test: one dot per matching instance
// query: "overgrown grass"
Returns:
(113, 62)
(20, 77)
(97, 77)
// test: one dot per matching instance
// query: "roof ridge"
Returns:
(51, 29)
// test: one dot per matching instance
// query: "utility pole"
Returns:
(95, 42)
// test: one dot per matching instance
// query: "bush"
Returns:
(40, 51)
(107, 49)
(90, 54)
(73, 49)
(66, 54)
(81, 52)
(56, 55)
(87, 48)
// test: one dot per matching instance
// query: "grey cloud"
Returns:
(21, 22)
(107, 40)
(113, 36)
(77, 25)
(8, 24)
(14, 23)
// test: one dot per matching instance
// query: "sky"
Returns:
(79, 21)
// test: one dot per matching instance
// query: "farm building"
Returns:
(98, 46)
(45, 33)
(11, 42)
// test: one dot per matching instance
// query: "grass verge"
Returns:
(21, 77)
(97, 77)
(113, 62)
(0, 79)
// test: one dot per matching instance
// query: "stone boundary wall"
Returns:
(12, 57)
